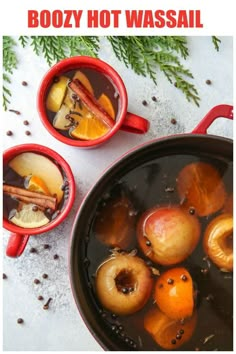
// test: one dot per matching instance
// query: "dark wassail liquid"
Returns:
(154, 184)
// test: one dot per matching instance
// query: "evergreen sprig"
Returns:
(143, 54)
(9, 64)
(216, 41)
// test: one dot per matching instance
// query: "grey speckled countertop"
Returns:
(61, 327)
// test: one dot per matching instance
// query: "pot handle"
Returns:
(16, 244)
(135, 124)
(222, 110)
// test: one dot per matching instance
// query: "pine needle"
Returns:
(145, 55)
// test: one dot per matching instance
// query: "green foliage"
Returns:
(9, 64)
(216, 41)
(144, 55)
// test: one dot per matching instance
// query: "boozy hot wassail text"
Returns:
(112, 18)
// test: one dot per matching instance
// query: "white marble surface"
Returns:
(61, 327)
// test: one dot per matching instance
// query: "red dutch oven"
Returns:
(101, 324)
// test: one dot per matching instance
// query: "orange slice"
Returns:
(36, 184)
(89, 128)
(105, 102)
(84, 80)
(174, 293)
(168, 333)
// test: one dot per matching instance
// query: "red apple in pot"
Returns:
(168, 235)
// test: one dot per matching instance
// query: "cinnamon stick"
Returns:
(90, 101)
(26, 196)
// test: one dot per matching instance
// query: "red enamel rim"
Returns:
(43, 150)
(76, 63)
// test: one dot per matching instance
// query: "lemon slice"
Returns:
(27, 218)
(36, 184)
(56, 94)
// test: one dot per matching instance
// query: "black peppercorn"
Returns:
(148, 243)
(24, 83)
(144, 102)
(125, 290)
(35, 208)
(154, 98)
(20, 320)
(173, 121)
(55, 79)
(4, 276)
(170, 281)
(181, 331)
(33, 250)
(184, 277)
(40, 297)
(191, 211)
(45, 276)
(208, 82)
(178, 336)
(9, 133)
(36, 281)
(173, 341)
(204, 271)
(55, 256)
(27, 132)
(26, 122)
(46, 246)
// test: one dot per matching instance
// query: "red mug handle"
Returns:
(222, 110)
(135, 124)
(16, 244)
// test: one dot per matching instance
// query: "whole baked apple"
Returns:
(168, 235)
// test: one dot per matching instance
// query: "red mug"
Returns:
(126, 121)
(19, 236)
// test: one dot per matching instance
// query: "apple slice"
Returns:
(30, 163)
(56, 94)
(60, 121)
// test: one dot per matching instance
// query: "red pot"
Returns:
(84, 251)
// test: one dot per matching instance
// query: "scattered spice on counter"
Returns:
(27, 132)
(55, 256)
(26, 122)
(40, 297)
(33, 250)
(144, 102)
(173, 121)
(15, 111)
(20, 320)
(46, 306)
(24, 83)
(9, 133)
(36, 281)
(208, 82)
(45, 276)
(46, 246)
(4, 276)
(154, 98)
